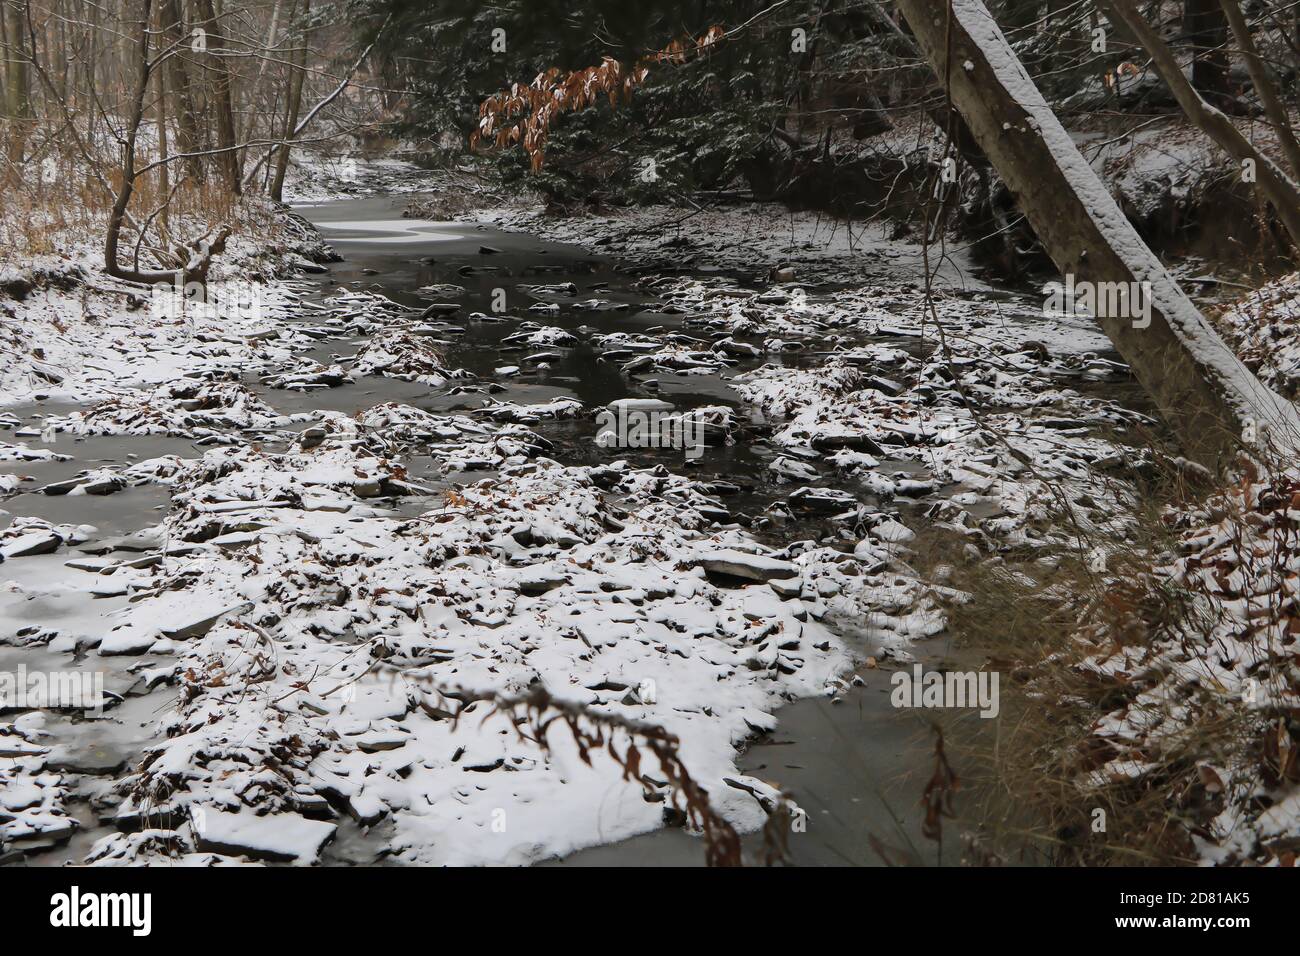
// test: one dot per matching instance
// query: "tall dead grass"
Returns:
(1035, 789)
(56, 201)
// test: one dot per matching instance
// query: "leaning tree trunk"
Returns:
(1274, 108)
(1209, 398)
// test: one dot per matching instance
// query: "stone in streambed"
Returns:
(305, 264)
(855, 442)
(32, 544)
(786, 588)
(197, 627)
(741, 564)
(277, 837)
(96, 759)
(821, 499)
(147, 540)
(127, 640)
(98, 485)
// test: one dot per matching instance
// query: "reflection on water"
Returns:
(388, 230)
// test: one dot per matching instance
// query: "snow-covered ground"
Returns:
(73, 334)
(1206, 699)
(318, 636)
(1264, 325)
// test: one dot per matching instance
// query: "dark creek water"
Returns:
(400, 260)
(858, 767)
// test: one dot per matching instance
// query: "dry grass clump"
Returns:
(56, 201)
(1113, 743)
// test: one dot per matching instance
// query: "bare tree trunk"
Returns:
(228, 157)
(62, 76)
(295, 104)
(187, 124)
(254, 88)
(18, 85)
(6, 73)
(1273, 181)
(164, 176)
(118, 213)
(1259, 76)
(1207, 32)
(18, 81)
(1209, 398)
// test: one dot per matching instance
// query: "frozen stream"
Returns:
(856, 766)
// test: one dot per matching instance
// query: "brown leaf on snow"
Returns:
(1210, 778)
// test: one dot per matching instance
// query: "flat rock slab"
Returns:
(50, 834)
(127, 640)
(640, 405)
(741, 564)
(12, 747)
(201, 625)
(277, 837)
(822, 499)
(100, 485)
(97, 759)
(32, 544)
(148, 540)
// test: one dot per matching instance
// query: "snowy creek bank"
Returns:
(295, 554)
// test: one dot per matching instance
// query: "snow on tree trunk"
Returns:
(1212, 402)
